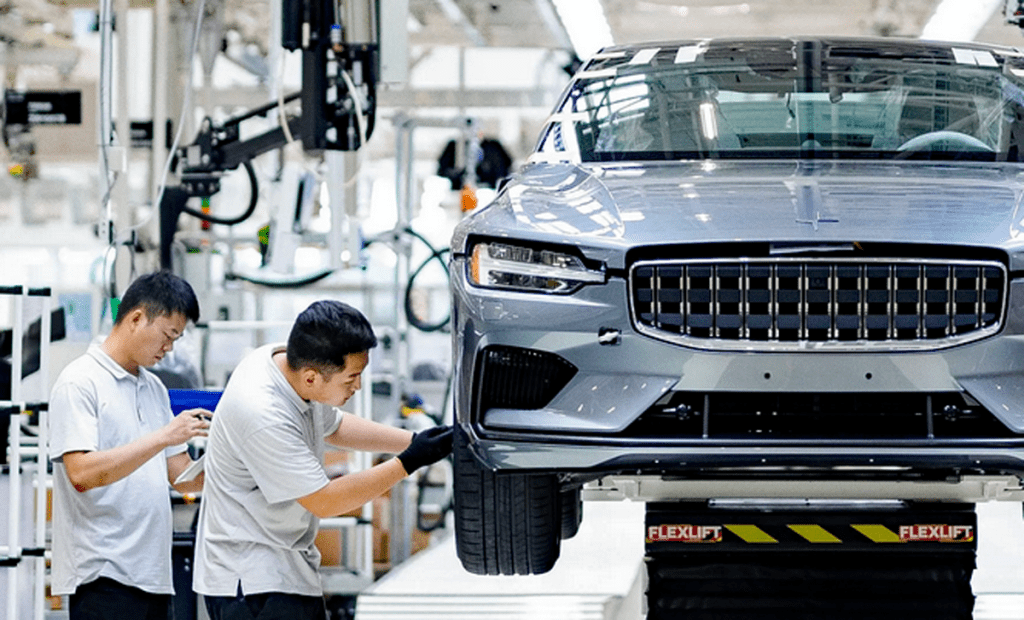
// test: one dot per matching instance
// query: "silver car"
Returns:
(746, 268)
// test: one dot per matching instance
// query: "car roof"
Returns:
(866, 47)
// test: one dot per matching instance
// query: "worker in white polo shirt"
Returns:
(116, 447)
(266, 484)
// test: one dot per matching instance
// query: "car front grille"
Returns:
(787, 301)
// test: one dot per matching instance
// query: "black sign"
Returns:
(39, 107)
(142, 134)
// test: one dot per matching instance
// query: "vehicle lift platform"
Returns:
(747, 559)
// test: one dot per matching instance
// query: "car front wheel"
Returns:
(506, 524)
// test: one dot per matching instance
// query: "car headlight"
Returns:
(500, 265)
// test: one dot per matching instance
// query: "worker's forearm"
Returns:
(89, 470)
(351, 491)
(176, 465)
(192, 486)
(368, 436)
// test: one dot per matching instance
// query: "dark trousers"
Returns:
(266, 606)
(106, 599)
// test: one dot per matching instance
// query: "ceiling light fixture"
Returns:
(586, 24)
(959, 20)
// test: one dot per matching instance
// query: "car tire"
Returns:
(572, 512)
(504, 525)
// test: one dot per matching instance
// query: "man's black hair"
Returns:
(324, 333)
(160, 293)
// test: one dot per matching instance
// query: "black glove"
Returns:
(427, 447)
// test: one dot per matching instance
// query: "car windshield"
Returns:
(792, 99)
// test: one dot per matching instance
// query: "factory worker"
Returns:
(266, 484)
(116, 447)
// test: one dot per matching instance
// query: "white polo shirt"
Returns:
(265, 450)
(123, 530)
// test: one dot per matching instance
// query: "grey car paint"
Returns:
(725, 201)
(943, 204)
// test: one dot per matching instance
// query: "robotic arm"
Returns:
(338, 107)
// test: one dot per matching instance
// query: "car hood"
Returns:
(670, 202)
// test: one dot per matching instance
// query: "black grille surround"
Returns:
(517, 378)
(834, 417)
(835, 303)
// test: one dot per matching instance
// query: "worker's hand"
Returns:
(188, 424)
(427, 447)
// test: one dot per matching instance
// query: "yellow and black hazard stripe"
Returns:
(667, 529)
(814, 533)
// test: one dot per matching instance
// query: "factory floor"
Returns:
(999, 578)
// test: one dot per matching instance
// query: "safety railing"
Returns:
(15, 555)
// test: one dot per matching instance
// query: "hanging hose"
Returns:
(254, 194)
(282, 282)
(410, 312)
(435, 254)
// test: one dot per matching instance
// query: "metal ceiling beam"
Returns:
(410, 99)
(63, 58)
(959, 20)
(455, 15)
(546, 12)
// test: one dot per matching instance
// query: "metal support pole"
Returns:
(161, 39)
(105, 106)
(403, 495)
(404, 253)
(364, 552)
(336, 191)
(45, 334)
(401, 525)
(123, 123)
(403, 520)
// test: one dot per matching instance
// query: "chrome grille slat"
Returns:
(890, 305)
(833, 331)
(802, 305)
(949, 299)
(656, 301)
(978, 307)
(792, 301)
(862, 286)
(745, 301)
(921, 301)
(716, 309)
